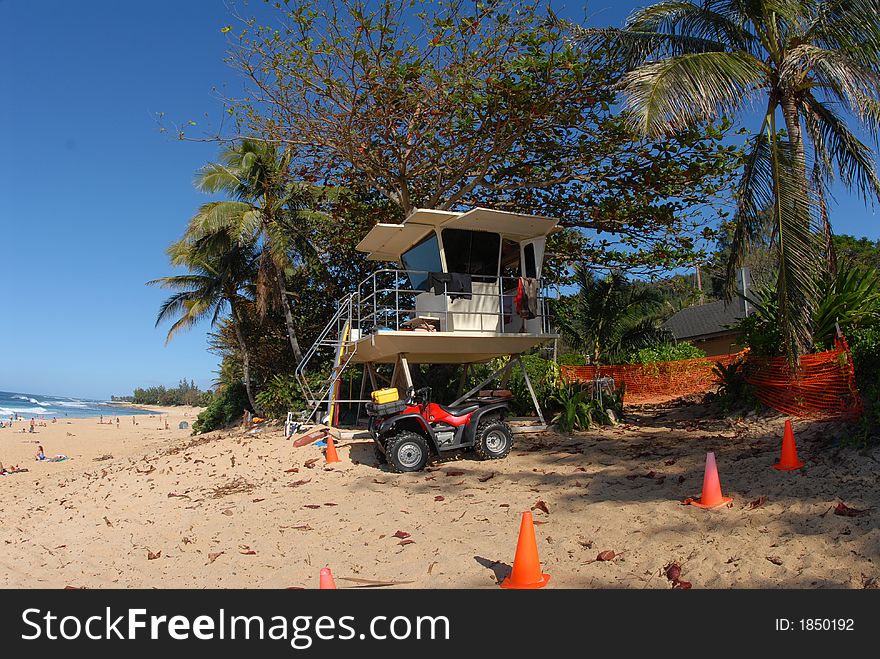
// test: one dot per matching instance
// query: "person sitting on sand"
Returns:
(40, 454)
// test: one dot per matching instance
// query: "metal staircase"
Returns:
(335, 339)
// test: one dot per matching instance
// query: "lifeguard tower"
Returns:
(461, 288)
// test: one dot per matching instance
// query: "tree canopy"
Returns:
(451, 104)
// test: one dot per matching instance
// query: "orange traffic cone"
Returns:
(331, 451)
(788, 461)
(526, 571)
(711, 497)
(327, 582)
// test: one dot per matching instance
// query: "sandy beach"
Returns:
(139, 506)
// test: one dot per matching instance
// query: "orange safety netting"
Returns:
(822, 387)
(656, 382)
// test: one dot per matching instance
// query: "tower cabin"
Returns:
(457, 288)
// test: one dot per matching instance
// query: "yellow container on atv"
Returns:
(381, 396)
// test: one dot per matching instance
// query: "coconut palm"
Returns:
(610, 317)
(270, 210)
(809, 62)
(219, 268)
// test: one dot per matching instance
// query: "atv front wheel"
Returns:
(406, 452)
(493, 440)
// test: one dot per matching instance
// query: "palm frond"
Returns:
(798, 249)
(182, 282)
(834, 71)
(710, 21)
(848, 25)
(754, 195)
(219, 216)
(214, 177)
(194, 311)
(675, 93)
(834, 142)
(633, 48)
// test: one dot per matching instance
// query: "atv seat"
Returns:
(459, 410)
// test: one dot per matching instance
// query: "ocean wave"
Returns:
(62, 403)
(30, 400)
(6, 411)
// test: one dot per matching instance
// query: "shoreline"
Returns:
(83, 439)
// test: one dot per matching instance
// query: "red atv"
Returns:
(408, 433)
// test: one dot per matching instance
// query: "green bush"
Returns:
(280, 395)
(544, 375)
(227, 405)
(865, 347)
(664, 352)
(851, 300)
(579, 409)
(572, 359)
(734, 393)
(576, 407)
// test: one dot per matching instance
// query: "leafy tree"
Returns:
(610, 317)
(805, 59)
(186, 393)
(861, 252)
(451, 104)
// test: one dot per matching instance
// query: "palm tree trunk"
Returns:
(288, 317)
(795, 137)
(245, 357)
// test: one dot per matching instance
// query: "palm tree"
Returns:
(219, 267)
(270, 210)
(808, 60)
(610, 317)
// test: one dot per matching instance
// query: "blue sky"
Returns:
(91, 192)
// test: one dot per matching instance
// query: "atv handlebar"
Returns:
(419, 396)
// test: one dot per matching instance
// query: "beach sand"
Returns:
(248, 510)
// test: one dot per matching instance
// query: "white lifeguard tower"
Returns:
(464, 288)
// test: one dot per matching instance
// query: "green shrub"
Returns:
(851, 300)
(572, 359)
(544, 375)
(579, 409)
(228, 404)
(734, 393)
(865, 347)
(664, 352)
(576, 407)
(280, 395)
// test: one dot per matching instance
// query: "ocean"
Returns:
(41, 406)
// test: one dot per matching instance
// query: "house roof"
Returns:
(705, 319)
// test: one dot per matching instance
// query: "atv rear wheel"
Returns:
(406, 452)
(493, 439)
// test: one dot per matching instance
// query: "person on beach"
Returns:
(40, 454)
(117, 422)
(101, 419)
(32, 425)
